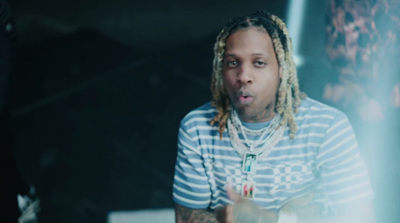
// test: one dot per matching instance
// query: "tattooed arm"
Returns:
(187, 215)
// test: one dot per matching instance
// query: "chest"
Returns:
(286, 172)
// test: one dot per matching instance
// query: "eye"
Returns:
(260, 63)
(231, 63)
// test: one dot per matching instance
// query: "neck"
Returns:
(263, 116)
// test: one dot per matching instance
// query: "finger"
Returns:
(229, 214)
(235, 197)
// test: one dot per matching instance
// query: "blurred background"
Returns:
(100, 87)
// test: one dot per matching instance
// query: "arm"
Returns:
(186, 215)
(191, 189)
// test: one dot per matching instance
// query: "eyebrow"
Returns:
(253, 54)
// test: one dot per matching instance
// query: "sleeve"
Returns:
(191, 188)
(344, 177)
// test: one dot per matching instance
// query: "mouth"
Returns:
(245, 97)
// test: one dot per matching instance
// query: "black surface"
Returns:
(96, 120)
(96, 130)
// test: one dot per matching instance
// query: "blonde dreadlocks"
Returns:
(288, 96)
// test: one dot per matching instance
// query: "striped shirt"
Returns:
(323, 157)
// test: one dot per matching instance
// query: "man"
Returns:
(307, 162)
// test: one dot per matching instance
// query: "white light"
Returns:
(295, 24)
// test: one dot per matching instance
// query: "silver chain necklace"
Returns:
(252, 152)
(235, 126)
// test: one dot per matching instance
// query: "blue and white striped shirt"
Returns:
(323, 157)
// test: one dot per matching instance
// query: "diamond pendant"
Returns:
(248, 189)
(249, 163)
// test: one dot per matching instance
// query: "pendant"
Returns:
(249, 163)
(248, 189)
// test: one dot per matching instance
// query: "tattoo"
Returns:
(184, 213)
(187, 215)
(268, 113)
(265, 114)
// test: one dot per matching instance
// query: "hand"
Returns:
(225, 214)
(243, 211)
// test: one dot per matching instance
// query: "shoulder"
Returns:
(311, 107)
(199, 116)
(316, 117)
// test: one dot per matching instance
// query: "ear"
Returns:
(280, 72)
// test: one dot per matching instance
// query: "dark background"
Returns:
(100, 89)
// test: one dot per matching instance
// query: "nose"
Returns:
(244, 75)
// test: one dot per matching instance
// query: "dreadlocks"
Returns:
(288, 96)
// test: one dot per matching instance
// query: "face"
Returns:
(251, 74)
